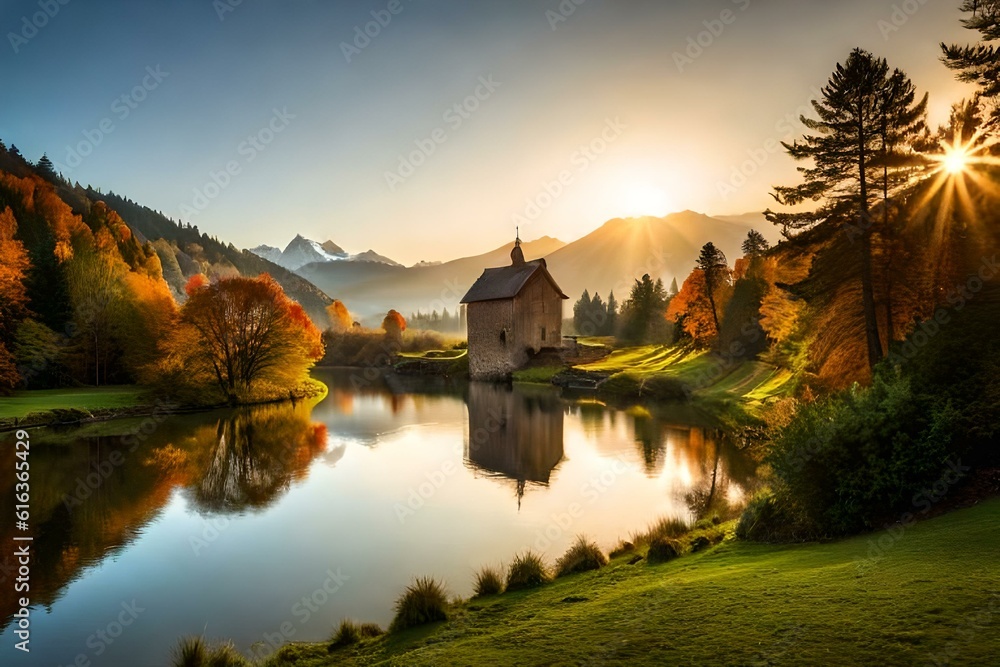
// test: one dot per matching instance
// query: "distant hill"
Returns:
(612, 256)
(370, 289)
(609, 258)
(185, 251)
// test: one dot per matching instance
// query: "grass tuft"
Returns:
(489, 581)
(191, 652)
(351, 632)
(662, 549)
(195, 652)
(624, 547)
(528, 570)
(424, 601)
(662, 528)
(581, 557)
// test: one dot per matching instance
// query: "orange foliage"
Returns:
(394, 322)
(690, 307)
(340, 318)
(9, 377)
(249, 335)
(40, 199)
(195, 283)
(13, 265)
(780, 312)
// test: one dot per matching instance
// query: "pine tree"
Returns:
(643, 315)
(979, 64)
(612, 321)
(581, 310)
(845, 148)
(712, 262)
(46, 169)
(755, 245)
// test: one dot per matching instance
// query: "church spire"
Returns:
(517, 255)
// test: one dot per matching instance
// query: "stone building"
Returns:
(513, 313)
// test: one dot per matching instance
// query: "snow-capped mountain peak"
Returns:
(302, 251)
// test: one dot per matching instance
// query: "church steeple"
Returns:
(517, 255)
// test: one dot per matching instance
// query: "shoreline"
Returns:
(73, 416)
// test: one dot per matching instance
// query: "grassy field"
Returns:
(932, 594)
(709, 376)
(22, 403)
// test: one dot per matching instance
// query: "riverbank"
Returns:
(84, 405)
(925, 594)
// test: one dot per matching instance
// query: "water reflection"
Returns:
(514, 434)
(254, 455)
(95, 489)
(119, 519)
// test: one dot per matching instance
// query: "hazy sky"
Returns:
(600, 100)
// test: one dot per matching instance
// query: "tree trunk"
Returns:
(867, 287)
(890, 329)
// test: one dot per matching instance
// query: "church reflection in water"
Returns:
(514, 434)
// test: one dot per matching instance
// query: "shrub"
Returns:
(424, 601)
(662, 549)
(489, 581)
(581, 557)
(766, 519)
(526, 571)
(700, 543)
(855, 459)
(350, 632)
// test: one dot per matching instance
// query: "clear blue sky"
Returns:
(662, 137)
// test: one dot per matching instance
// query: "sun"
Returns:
(956, 161)
(641, 199)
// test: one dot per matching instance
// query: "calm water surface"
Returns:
(275, 523)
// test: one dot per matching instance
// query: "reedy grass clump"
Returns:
(195, 652)
(527, 570)
(667, 527)
(489, 581)
(351, 632)
(662, 549)
(581, 557)
(424, 601)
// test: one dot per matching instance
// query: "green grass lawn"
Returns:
(708, 375)
(935, 592)
(22, 403)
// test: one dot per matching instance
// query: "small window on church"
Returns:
(503, 336)
(543, 334)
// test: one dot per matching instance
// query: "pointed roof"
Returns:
(507, 282)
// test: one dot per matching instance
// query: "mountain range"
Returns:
(608, 259)
(302, 251)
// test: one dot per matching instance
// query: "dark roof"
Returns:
(507, 282)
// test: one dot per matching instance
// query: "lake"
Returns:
(274, 523)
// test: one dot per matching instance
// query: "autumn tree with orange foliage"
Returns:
(340, 318)
(394, 325)
(253, 340)
(13, 296)
(691, 310)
